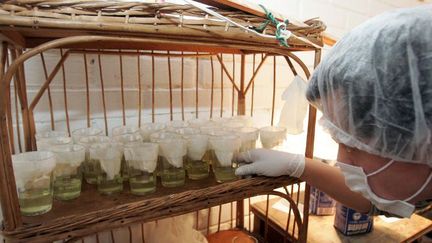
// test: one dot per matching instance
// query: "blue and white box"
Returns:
(320, 203)
(350, 222)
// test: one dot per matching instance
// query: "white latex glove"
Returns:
(271, 163)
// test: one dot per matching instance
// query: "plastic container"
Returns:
(173, 155)
(172, 126)
(141, 160)
(150, 128)
(90, 168)
(33, 177)
(86, 132)
(224, 151)
(125, 139)
(197, 168)
(67, 176)
(248, 137)
(45, 140)
(272, 136)
(108, 157)
(121, 130)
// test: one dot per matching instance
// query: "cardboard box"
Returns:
(320, 203)
(350, 222)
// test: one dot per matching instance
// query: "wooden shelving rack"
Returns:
(28, 28)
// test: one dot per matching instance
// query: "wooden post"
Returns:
(241, 105)
(22, 94)
(310, 139)
(8, 195)
(241, 110)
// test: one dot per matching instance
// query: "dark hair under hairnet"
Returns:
(374, 87)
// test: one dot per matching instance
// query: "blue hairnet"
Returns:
(375, 86)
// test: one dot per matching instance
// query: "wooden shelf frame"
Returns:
(124, 209)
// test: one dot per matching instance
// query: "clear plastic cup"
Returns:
(220, 120)
(244, 119)
(90, 168)
(108, 156)
(121, 130)
(197, 168)
(86, 132)
(33, 176)
(156, 138)
(248, 137)
(142, 161)
(172, 126)
(173, 155)
(232, 125)
(225, 149)
(45, 140)
(187, 131)
(272, 136)
(124, 139)
(51, 134)
(198, 122)
(128, 138)
(212, 129)
(67, 176)
(149, 128)
(46, 143)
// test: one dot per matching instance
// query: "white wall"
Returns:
(339, 15)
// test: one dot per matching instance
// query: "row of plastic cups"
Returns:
(270, 136)
(149, 128)
(188, 151)
(247, 135)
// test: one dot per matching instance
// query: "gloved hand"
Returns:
(271, 163)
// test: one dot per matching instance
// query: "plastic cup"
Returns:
(173, 154)
(128, 138)
(157, 137)
(67, 176)
(124, 139)
(33, 175)
(108, 156)
(197, 145)
(121, 130)
(212, 130)
(220, 120)
(86, 132)
(90, 168)
(51, 134)
(245, 120)
(172, 126)
(142, 161)
(150, 128)
(225, 149)
(198, 122)
(45, 140)
(232, 125)
(248, 137)
(272, 136)
(187, 131)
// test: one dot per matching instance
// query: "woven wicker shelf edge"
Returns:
(145, 210)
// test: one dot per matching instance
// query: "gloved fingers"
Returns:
(252, 155)
(245, 157)
(245, 170)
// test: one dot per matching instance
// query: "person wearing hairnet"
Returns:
(374, 89)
